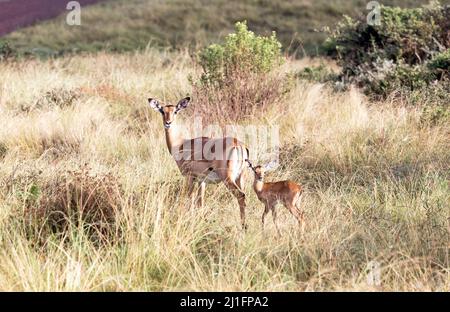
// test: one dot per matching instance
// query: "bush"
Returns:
(239, 77)
(319, 73)
(58, 97)
(435, 114)
(242, 52)
(435, 103)
(439, 65)
(407, 51)
(6, 51)
(78, 197)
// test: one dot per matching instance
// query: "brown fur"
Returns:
(286, 192)
(197, 169)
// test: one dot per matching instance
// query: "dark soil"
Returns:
(19, 13)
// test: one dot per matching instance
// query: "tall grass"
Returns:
(376, 181)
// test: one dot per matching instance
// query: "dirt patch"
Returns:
(19, 13)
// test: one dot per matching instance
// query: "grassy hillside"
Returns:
(119, 25)
(82, 136)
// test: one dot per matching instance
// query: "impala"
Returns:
(286, 192)
(204, 160)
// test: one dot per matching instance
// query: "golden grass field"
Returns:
(77, 132)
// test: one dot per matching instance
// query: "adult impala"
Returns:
(203, 159)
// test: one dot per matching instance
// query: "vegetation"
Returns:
(90, 198)
(5, 51)
(243, 73)
(320, 73)
(407, 51)
(242, 52)
(405, 58)
(376, 179)
(127, 25)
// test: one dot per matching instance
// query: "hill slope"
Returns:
(19, 13)
(118, 25)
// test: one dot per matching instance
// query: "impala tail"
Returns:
(237, 158)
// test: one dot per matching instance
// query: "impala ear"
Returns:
(271, 166)
(250, 164)
(183, 103)
(155, 105)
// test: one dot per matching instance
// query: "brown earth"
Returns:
(19, 13)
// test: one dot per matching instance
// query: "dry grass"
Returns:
(377, 187)
(241, 96)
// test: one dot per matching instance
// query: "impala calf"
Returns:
(203, 159)
(286, 192)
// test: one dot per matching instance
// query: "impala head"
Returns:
(169, 112)
(261, 170)
(258, 171)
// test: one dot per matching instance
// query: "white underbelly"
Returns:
(212, 177)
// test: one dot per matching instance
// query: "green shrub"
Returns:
(319, 73)
(388, 77)
(409, 35)
(242, 52)
(3, 150)
(5, 51)
(439, 65)
(435, 102)
(435, 114)
(408, 51)
(240, 76)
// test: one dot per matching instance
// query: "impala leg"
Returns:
(274, 217)
(240, 183)
(293, 210)
(266, 211)
(297, 201)
(298, 215)
(234, 189)
(302, 226)
(241, 200)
